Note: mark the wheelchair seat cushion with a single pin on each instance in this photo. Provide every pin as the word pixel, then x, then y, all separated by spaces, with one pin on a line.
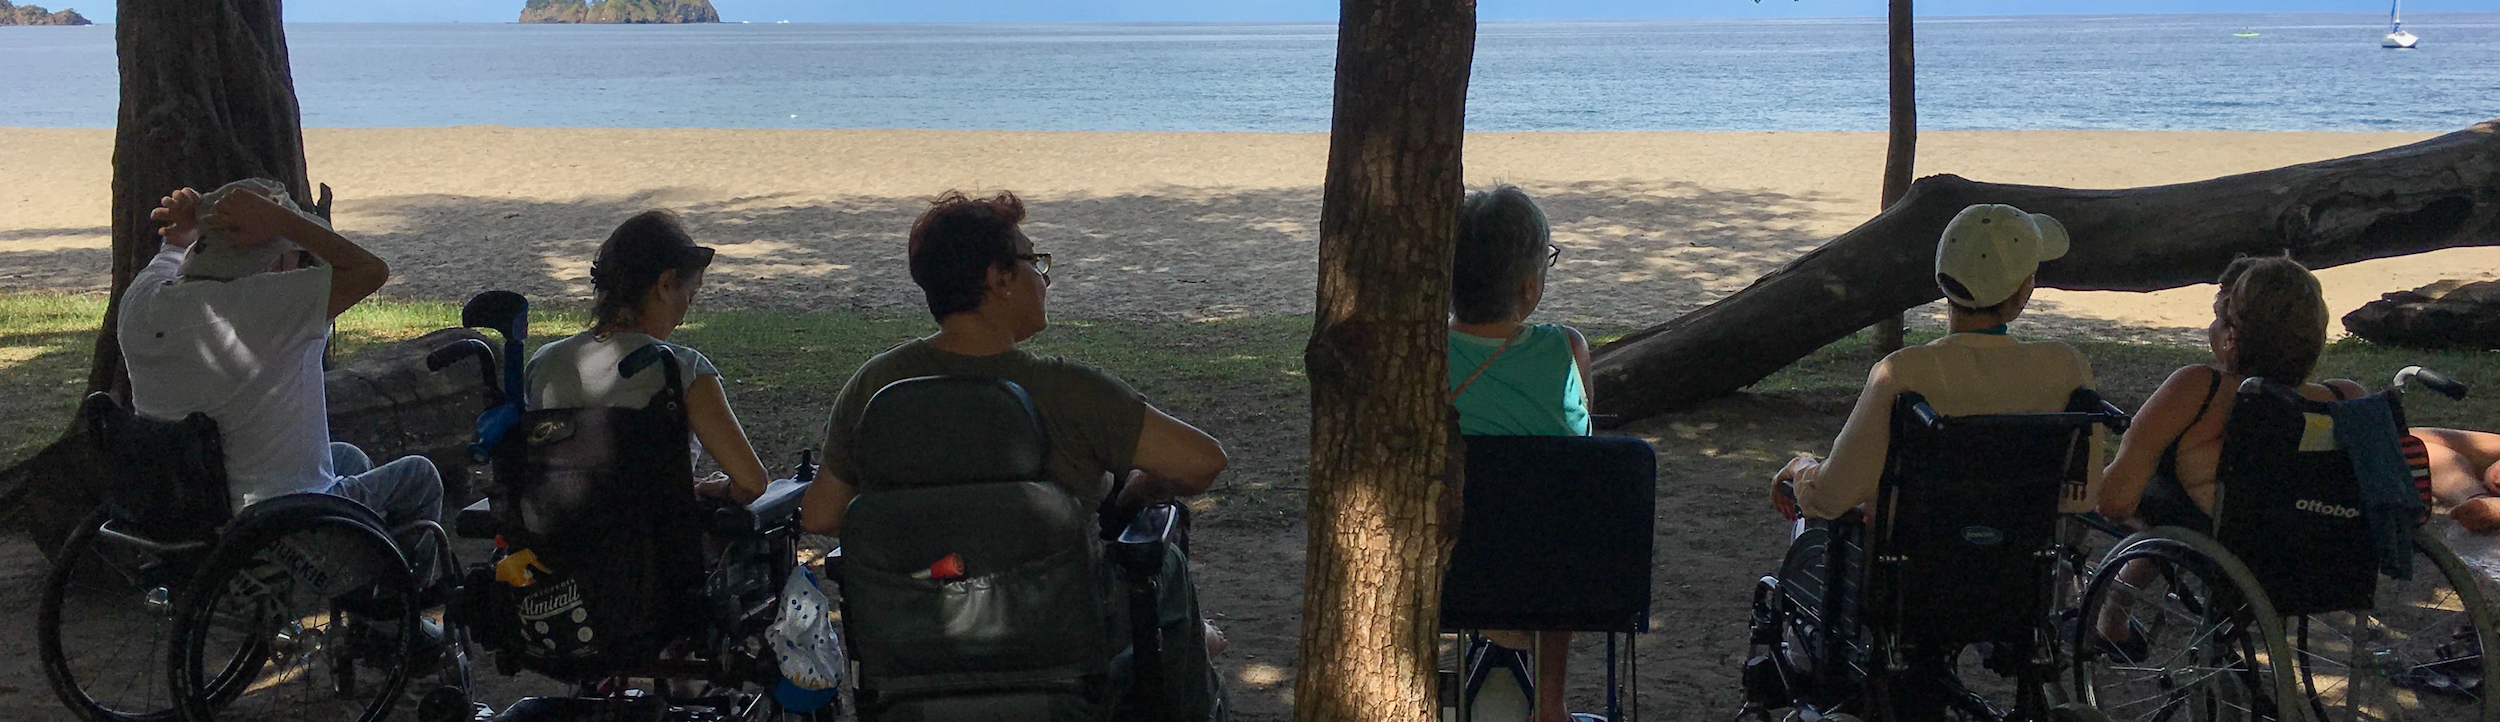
pixel 166 479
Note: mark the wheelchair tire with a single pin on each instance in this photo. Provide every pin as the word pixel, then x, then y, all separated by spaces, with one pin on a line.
pixel 2211 607
pixel 2419 653
pixel 331 606
pixel 101 587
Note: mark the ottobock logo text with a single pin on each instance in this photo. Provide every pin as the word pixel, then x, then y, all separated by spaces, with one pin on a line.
pixel 2319 507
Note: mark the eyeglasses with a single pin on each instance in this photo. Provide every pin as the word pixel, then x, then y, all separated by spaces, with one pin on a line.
pixel 1041 264
pixel 1553 254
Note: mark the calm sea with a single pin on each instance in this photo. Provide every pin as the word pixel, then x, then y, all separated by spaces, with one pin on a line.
pixel 2169 72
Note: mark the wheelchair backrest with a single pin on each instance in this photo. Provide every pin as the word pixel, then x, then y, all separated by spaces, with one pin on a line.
pixel 165 479
pixel 1966 516
pixel 2288 503
pixel 1555 534
pixel 604 497
pixel 951 468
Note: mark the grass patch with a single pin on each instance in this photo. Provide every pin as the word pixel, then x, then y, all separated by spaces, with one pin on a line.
pixel 783 369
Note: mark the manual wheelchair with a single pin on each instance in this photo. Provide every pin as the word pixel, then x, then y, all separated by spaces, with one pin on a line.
pixel 1054 610
pixel 301 607
pixel 2277 607
pixel 1939 605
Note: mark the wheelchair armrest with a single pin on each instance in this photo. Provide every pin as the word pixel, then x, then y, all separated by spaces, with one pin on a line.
pixel 779 504
pixel 775 509
pixel 476 521
pixel 1139 549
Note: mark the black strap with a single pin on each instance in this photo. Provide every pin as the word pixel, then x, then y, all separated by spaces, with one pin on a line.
pixel 2338 391
pixel 2213 384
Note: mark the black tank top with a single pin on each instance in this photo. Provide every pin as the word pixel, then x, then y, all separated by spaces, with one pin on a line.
pixel 2166 501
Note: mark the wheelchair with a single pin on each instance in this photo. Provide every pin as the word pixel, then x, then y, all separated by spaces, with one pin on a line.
pixel 586 590
pixel 1941 605
pixel 301 607
pixel 974 588
pixel 2279 609
pixel 1556 536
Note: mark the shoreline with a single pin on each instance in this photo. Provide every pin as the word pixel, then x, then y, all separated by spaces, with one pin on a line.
pixel 1150 225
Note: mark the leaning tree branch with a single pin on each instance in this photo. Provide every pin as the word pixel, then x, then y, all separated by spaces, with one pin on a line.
pixel 2439 193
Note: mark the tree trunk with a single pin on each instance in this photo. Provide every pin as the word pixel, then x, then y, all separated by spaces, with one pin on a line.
pixel 2439 193
pixel 1383 499
pixel 385 403
pixel 1901 156
pixel 207 99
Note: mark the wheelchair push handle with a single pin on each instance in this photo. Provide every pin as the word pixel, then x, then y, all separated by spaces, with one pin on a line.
pixel 2113 417
pixel 1926 415
pixel 2432 380
pixel 464 349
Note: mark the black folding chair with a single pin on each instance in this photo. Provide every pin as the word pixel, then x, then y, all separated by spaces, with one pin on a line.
pixel 1556 536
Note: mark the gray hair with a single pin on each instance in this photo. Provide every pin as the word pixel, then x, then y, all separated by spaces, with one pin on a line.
pixel 1502 237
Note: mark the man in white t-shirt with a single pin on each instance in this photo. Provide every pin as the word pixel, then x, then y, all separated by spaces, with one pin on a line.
pixel 230 319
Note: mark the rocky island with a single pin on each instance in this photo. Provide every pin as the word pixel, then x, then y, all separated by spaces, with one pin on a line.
pixel 619 11
pixel 34 15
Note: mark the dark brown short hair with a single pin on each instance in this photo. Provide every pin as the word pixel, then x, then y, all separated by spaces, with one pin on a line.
pixel 630 262
pixel 956 243
pixel 2277 314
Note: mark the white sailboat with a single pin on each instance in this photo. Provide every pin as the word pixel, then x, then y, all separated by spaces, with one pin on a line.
pixel 2397 38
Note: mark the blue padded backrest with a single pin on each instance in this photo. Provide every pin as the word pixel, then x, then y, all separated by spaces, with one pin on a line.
pixel 1555 535
pixel 943 430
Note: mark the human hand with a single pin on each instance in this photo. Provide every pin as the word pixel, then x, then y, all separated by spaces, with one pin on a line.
pixel 1784 486
pixel 2480 515
pixel 180 212
pixel 1143 489
pixel 716 486
pixel 249 218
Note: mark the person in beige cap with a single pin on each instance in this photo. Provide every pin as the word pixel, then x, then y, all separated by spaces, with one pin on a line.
pixel 230 319
pixel 1984 265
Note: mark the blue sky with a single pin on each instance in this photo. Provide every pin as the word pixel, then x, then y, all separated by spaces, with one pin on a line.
pixel 1286 10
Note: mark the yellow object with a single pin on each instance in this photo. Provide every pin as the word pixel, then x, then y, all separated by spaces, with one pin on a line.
pixel 515 570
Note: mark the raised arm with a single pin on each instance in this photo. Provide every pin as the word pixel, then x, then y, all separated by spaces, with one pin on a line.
pixel 253 219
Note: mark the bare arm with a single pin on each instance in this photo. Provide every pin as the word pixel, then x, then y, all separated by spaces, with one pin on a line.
pixel 1173 459
pixel 827 500
pixel 2162 419
pixel 1580 356
pixel 354 272
pixel 1849 476
pixel 716 425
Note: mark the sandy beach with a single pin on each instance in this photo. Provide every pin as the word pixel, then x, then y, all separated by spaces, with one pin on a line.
pixel 1144 225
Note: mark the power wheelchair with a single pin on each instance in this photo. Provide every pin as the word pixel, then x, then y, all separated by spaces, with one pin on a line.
pixel 1940 605
pixel 2278 609
pixel 300 607
pixel 975 588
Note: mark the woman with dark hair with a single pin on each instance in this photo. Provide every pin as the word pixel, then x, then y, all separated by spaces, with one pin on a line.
pixel 643 280
pixel 2269 322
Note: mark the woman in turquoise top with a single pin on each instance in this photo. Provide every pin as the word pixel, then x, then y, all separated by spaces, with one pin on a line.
pixel 1509 378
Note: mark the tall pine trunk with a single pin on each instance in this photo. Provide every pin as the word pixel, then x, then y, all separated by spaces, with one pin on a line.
pixel 1383 501
pixel 1901 154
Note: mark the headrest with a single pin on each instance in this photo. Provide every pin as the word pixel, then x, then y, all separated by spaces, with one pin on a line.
pixel 937 430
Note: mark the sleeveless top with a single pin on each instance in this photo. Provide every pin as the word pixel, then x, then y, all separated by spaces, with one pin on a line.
pixel 1531 389
pixel 2166 501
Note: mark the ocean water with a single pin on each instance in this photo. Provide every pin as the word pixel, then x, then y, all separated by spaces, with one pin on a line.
pixel 2148 72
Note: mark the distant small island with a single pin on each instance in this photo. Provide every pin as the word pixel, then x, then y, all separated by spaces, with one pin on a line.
pixel 35 15
pixel 619 11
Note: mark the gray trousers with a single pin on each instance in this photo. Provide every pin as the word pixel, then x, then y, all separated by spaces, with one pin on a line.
pixel 407 490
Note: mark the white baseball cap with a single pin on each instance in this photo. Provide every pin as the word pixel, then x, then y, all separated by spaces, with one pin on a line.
pixel 1990 249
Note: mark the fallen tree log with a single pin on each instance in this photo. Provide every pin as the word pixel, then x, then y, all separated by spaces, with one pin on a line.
pixel 385 403
pixel 2439 193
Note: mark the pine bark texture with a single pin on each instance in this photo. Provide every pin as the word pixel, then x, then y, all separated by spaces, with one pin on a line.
pixel 1901 155
pixel 2439 193
pixel 1383 494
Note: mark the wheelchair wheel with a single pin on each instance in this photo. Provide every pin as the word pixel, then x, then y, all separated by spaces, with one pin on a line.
pixel 2202 643
pixel 104 623
pixel 2416 654
pixel 324 606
